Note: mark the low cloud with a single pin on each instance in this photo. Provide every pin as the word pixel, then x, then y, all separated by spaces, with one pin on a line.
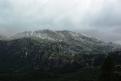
pixel 100 18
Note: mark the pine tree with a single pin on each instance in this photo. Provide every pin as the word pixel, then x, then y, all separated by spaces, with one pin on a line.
pixel 107 70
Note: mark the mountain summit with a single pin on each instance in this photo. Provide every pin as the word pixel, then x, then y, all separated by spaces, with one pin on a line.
pixel 53 35
pixel 68 37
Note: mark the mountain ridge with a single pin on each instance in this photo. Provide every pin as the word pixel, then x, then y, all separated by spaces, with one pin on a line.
pixel 46 32
pixel 70 37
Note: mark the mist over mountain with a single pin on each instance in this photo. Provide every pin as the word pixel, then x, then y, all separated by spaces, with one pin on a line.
pixel 100 17
pixel 45 54
pixel 60 40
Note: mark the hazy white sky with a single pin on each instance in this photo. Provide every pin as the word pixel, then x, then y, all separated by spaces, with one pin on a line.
pixel 100 18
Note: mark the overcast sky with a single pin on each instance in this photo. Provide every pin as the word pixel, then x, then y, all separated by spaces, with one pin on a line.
pixel 98 18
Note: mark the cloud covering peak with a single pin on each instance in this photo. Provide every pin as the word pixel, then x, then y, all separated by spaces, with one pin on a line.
pixel 90 15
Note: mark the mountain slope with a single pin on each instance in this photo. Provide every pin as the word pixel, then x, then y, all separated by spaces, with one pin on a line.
pixel 48 49
pixel 3 37
pixel 52 52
